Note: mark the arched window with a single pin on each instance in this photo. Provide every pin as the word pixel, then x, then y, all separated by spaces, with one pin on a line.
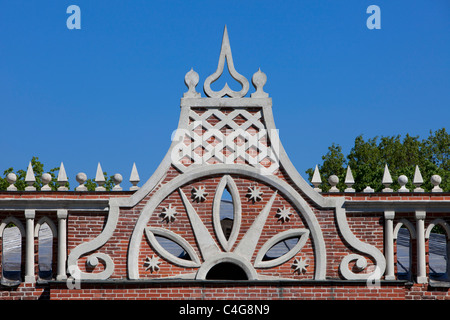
pixel 11 232
pixel 403 234
pixel 404 254
pixel 437 234
pixel 45 231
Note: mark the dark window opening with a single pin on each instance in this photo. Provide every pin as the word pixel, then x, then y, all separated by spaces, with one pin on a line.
pixel 437 246
pixel 226 213
pixel 404 254
pixel 45 252
pixel 280 249
pixel 226 271
pixel 173 248
pixel 12 253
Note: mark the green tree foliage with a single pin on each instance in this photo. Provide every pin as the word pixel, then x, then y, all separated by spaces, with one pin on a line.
pixel 368 158
pixel 38 169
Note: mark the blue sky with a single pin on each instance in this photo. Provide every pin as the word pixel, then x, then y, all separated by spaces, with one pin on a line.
pixel 110 92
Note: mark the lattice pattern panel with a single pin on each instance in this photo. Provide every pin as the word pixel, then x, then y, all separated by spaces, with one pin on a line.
pixel 226 136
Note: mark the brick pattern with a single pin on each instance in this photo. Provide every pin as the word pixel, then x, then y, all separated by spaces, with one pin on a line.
pixel 86 226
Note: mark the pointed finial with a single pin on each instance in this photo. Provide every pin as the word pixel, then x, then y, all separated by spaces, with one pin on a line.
pixel 349 181
pixel 418 180
pixel 225 54
pixel 387 179
pixel 134 178
pixel 62 178
pixel 30 178
pixel 100 179
pixel 316 180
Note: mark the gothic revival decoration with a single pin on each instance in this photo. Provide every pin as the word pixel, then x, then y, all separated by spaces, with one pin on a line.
pixel 232 139
pixel 227 138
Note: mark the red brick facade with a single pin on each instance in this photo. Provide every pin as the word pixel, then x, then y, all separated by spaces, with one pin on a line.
pixel 83 227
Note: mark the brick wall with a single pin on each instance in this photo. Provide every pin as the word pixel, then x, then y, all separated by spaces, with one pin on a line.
pixel 85 226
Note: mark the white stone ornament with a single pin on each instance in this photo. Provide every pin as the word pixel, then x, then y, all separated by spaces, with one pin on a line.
pixel 254 194
pixel 100 179
pixel 81 179
pixel 225 54
pixel 134 178
pixel 152 264
pixel 199 194
pixel 168 213
pixel 418 180
pixel 316 180
pixel 62 178
pixel 30 178
pixel 259 79
pixel 436 181
pixel 349 180
pixel 46 178
pixel 117 178
pixel 333 180
pixel 300 265
pixel 191 80
pixel 387 180
pixel 402 181
pixel 284 214
pixel 11 178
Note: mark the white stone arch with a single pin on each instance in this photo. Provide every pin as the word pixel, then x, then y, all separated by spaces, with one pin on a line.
pixel 446 227
pixel 45 260
pixel 16 222
pixel 412 235
pixel 5 279
pixel 227 257
pixel 408 225
pixel 282 186
pixel 49 222
pixel 440 222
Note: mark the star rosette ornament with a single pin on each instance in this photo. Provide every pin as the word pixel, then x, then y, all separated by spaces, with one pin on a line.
pixel 254 194
pixel 284 214
pixel 169 213
pixel 199 194
pixel 152 264
pixel 300 265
